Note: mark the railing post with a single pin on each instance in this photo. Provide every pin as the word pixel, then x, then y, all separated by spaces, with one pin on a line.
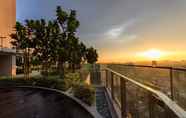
pixel 112 85
pixel 123 98
pixel 106 78
pixel 171 83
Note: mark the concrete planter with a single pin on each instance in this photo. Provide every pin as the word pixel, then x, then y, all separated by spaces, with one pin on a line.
pixel 88 112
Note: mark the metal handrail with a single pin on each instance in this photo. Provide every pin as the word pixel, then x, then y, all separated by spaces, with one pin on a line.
pixel 171 71
pixel 160 67
pixel 165 99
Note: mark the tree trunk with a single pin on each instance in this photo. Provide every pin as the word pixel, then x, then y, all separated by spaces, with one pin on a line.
pixel 70 65
pixel 45 69
pixel 61 68
pixel 26 64
pixel 73 68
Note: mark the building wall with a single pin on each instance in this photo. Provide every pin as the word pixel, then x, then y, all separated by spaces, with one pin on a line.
pixel 7 65
pixel 7 24
pixel 7 20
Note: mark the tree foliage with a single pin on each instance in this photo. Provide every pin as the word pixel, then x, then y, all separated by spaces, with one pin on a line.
pixel 91 55
pixel 53 42
pixel 22 41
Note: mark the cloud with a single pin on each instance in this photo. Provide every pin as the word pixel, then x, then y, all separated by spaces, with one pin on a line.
pixel 114 33
pixel 117 31
pixel 126 38
pixel 131 36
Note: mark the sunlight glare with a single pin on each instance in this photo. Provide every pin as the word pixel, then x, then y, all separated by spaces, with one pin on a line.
pixel 153 54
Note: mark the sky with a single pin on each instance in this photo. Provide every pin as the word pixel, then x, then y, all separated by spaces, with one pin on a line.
pixel 121 29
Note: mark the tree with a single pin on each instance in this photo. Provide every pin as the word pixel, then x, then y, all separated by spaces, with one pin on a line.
pixel 54 41
pixel 74 50
pixel 91 55
pixel 21 40
pixel 38 40
pixel 74 55
pixel 67 42
pixel 35 61
pixel 45 39
pixel 78 54
pixel 62 17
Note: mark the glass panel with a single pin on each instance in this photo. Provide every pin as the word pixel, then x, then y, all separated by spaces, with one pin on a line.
pixel 103 77
pixel 179 85
pixel 154 77
pixel 159 112
pixel 117 92
pixel 137 102
pixel 109 80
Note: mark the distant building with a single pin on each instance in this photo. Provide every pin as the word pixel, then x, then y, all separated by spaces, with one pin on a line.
pixel 7 22
pixel 154 63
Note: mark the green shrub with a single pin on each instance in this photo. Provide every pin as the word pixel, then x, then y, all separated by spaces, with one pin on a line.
pixel 53 72
pixel 86 67
pixel 62 85
pixel 14 82
pixel 49 83
pixel 85 93
pixel 73 79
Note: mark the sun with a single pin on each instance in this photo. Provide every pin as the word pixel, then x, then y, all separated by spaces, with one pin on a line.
pixel 152 54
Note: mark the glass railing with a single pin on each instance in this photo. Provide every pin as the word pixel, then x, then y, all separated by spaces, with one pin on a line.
pixel 141 98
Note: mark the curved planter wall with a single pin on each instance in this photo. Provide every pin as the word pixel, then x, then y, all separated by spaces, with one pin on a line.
pixel 29 102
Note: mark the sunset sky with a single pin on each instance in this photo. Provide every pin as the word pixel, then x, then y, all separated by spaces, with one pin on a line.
pixel 122 30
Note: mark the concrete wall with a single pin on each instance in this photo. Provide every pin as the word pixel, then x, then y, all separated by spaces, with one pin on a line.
pixel 7 20
pixel 7 23
pixel 7 65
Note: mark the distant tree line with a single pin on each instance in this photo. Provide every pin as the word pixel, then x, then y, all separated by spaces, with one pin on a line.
pixel 50 42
